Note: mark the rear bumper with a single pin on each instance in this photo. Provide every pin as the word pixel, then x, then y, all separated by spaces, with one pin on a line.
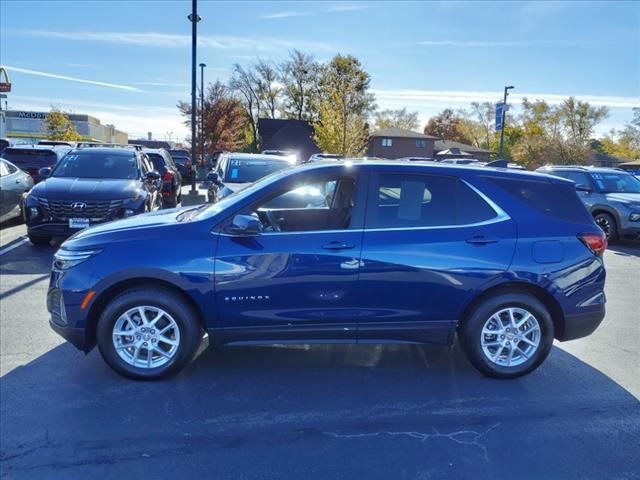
pixel 581 324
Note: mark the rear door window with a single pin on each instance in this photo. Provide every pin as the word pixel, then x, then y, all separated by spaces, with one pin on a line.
pixel 404 200
pixel 28 157
pixel 558 200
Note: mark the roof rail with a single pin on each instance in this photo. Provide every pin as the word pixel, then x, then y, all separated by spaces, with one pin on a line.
pixel 577 167
pixel 109 145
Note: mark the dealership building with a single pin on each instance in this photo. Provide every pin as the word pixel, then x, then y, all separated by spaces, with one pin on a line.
pixel 29 126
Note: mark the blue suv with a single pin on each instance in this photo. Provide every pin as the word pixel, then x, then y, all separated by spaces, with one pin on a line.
pixel 384 252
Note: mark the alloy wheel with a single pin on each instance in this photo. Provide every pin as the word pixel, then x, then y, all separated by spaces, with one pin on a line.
pixel 510 337
pixel 146 337
pixel 603 222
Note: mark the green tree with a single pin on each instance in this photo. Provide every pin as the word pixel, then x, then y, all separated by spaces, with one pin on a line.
pixel 59 127
pixel 624 143
pixel 344 106
pixel 400 118
pixel 447 125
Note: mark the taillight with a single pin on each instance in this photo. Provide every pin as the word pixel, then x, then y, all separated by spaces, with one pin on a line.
pixel 596 242
pixel 168 176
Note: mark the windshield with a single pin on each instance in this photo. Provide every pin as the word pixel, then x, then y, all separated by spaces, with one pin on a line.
pixel 116 165
pixel 617 182
pixel 43 158
pixel 246 170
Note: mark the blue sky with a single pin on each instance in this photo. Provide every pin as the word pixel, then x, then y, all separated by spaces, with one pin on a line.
pixel 128 63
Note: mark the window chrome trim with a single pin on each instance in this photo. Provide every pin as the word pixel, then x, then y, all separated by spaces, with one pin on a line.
pixel 501 216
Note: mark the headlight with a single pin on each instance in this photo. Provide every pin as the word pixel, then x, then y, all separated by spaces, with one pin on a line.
pixel 65 259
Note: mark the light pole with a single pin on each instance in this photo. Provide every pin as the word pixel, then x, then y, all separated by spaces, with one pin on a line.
pixel 202 65
pixel 194 18
pixel 504 116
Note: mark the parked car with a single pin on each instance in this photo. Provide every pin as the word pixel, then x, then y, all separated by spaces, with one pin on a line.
pixel 182 159
pixel 90 186
pixel 236 171
pixel 171 176
pixel 391 252
pixel 611 195
pixel 462 161
pixel 291 155
pixel 56 143
pixel 4 143
pixel 14 183
pixel 417 159
pixel 31 158
pixel 319 157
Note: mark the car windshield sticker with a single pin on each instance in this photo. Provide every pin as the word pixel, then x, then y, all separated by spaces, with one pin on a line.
pixel 234 173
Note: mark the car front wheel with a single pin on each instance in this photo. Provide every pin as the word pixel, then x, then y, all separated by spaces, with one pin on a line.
pixel 148 334
pixel 608 225
pixel 508 336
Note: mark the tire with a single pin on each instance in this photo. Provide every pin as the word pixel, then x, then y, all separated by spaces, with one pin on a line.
pixel 39 241
pixel 185 334
pixel 608 225
pixel 170 203
pixel 480 347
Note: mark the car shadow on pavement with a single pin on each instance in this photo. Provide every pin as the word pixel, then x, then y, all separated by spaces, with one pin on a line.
pixel 369 411
pixel 625 248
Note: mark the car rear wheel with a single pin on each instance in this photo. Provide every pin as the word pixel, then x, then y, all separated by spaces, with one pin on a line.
pixel 39 241
pixel 608 225
pixel 148 334
pixel 508 336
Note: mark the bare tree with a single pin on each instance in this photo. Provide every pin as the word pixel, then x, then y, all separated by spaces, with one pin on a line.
pixel 268 87
pixel 245 84
pixel 299 77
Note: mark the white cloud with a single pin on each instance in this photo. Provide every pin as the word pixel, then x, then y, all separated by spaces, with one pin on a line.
pixel 489 44
pixel 72 79
pixel 287 14
pixel 346 8
pixel 445 97
pixel 167 40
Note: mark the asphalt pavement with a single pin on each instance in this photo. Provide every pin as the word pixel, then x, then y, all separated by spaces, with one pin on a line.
pixel 388 412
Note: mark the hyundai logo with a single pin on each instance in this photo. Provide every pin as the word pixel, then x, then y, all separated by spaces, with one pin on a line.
pixel 78 205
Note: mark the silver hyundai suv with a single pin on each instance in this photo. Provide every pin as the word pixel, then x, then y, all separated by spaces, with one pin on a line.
pixel 611 195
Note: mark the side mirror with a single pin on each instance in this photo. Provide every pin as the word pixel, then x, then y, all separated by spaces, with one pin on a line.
pixel 244 225
pixel 152 176
pixel 213 178
pixel 583 188
pixel 44 172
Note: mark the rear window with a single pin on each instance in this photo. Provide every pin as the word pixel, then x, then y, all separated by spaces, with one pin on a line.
pixel 35 157
pixel 558 200
pixel 158 161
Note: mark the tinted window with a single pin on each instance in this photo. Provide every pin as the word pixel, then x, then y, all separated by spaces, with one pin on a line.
pixel 97 165
pixel 247 170
pixel 43 158
pixel 158 161
pixel 556 199
pixel 580 178
pixel 424 201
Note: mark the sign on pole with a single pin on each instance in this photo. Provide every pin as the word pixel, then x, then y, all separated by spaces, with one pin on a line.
pixel 499 115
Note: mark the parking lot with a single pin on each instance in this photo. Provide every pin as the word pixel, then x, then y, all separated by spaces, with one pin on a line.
pixel 315 411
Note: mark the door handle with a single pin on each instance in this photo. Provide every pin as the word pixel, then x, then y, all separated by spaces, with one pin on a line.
pixel 337 246
pixel 482 240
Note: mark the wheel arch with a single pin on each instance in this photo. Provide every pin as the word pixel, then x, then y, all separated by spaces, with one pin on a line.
pixel 101 301
pixel 596 209
pixel 552 305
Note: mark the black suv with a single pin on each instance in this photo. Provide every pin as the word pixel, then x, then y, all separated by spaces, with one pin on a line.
pixel 182 159
pixel 91 185
pixel 171 176
pixel 31 158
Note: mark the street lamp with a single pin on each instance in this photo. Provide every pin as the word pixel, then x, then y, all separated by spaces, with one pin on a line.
pixel 202 65
pixel 504 116
pixel 194 18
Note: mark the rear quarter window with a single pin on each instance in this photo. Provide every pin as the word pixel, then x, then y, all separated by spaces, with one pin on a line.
pixel 558 200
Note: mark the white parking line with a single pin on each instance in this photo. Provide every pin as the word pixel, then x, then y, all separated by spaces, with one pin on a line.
pixel 15 245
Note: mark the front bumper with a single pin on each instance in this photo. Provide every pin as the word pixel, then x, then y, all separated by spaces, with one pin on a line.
pixel 581 324
pixel 75 336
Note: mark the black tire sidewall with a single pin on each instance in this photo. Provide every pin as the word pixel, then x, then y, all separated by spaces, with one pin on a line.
pixel 613 226
pixel 470 334
pixel 182 313
pixel 39 241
